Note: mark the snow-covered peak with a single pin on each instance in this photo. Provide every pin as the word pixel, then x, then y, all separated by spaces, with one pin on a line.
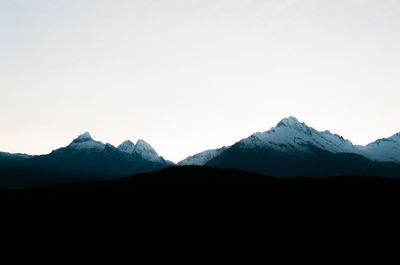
pixel 142 144
pixel 142 149
pixel 84 137
pixel 202 158
pixel 127 147
pixel 85 142
pixel 290 122
pixel 291 135
pixel 294 124
pixel 146 151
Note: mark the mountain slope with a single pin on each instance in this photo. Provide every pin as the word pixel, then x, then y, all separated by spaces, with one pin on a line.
pixel 313 163
pixel 386 149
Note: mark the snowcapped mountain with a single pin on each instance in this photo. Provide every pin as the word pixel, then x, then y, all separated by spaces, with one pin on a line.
pixel 86 142
pixel 141 149
pixel 291 148
pixel 84 159
pixel 294 149
pixel 292 136
pixel 201 158
pixel 386 149
pixel 127 147
pixel 139 152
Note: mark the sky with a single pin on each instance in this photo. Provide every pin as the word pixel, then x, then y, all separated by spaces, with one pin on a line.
pixel 190 75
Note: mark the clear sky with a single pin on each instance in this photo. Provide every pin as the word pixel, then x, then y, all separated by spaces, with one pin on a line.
pixel 189 75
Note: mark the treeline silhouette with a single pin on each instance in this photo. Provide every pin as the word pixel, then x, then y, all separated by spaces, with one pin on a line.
pixel 338 207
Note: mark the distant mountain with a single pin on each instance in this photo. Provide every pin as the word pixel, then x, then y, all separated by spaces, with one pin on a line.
pixel 83 160
pixel 294 149
pixel 143 150
pixel 291 148
pixel 292 136
pixel 202 158
pixel 386 149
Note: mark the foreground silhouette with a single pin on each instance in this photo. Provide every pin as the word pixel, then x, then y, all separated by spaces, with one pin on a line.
pixel 341 207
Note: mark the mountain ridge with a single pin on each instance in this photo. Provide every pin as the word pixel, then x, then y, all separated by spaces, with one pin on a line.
pixel 291 148
pixel 291 135
pixel 84 159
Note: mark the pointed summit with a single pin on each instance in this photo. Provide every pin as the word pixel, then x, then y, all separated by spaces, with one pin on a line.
pixel 143 146
pixel 83 138
pixel 294 124
pixel 141 149
pixel 85 141
pixel 290 122
pixel 127 147
pixel 293 136
pixel 146 151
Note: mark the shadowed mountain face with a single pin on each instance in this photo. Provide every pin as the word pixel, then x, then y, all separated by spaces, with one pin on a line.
pixel 83 160
pixel 315 163
pixel 7 160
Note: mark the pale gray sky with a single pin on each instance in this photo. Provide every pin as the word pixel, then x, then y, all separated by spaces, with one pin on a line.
pixel 189 75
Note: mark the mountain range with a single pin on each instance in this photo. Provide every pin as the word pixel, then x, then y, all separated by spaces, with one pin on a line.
pixel 294 149
pixel 291 136
pixel 291 148
pixel 83 160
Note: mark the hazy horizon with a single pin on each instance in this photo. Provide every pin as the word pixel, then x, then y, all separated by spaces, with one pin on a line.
pixel 187 76
pixel 116 144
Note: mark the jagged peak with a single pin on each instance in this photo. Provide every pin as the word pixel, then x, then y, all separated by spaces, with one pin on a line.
pixel 85 141
pixel 393 138
pixel 127 147
pixel 84 137
pixel 126 143
pixel 291 122
pixel 290 119
pixel 292 135
pixel 396 136
pixel 141 148
pixel 146 151
pixel 143 145
pixel 294 124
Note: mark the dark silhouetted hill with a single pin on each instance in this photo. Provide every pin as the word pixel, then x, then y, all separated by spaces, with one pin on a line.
pixel 339 207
